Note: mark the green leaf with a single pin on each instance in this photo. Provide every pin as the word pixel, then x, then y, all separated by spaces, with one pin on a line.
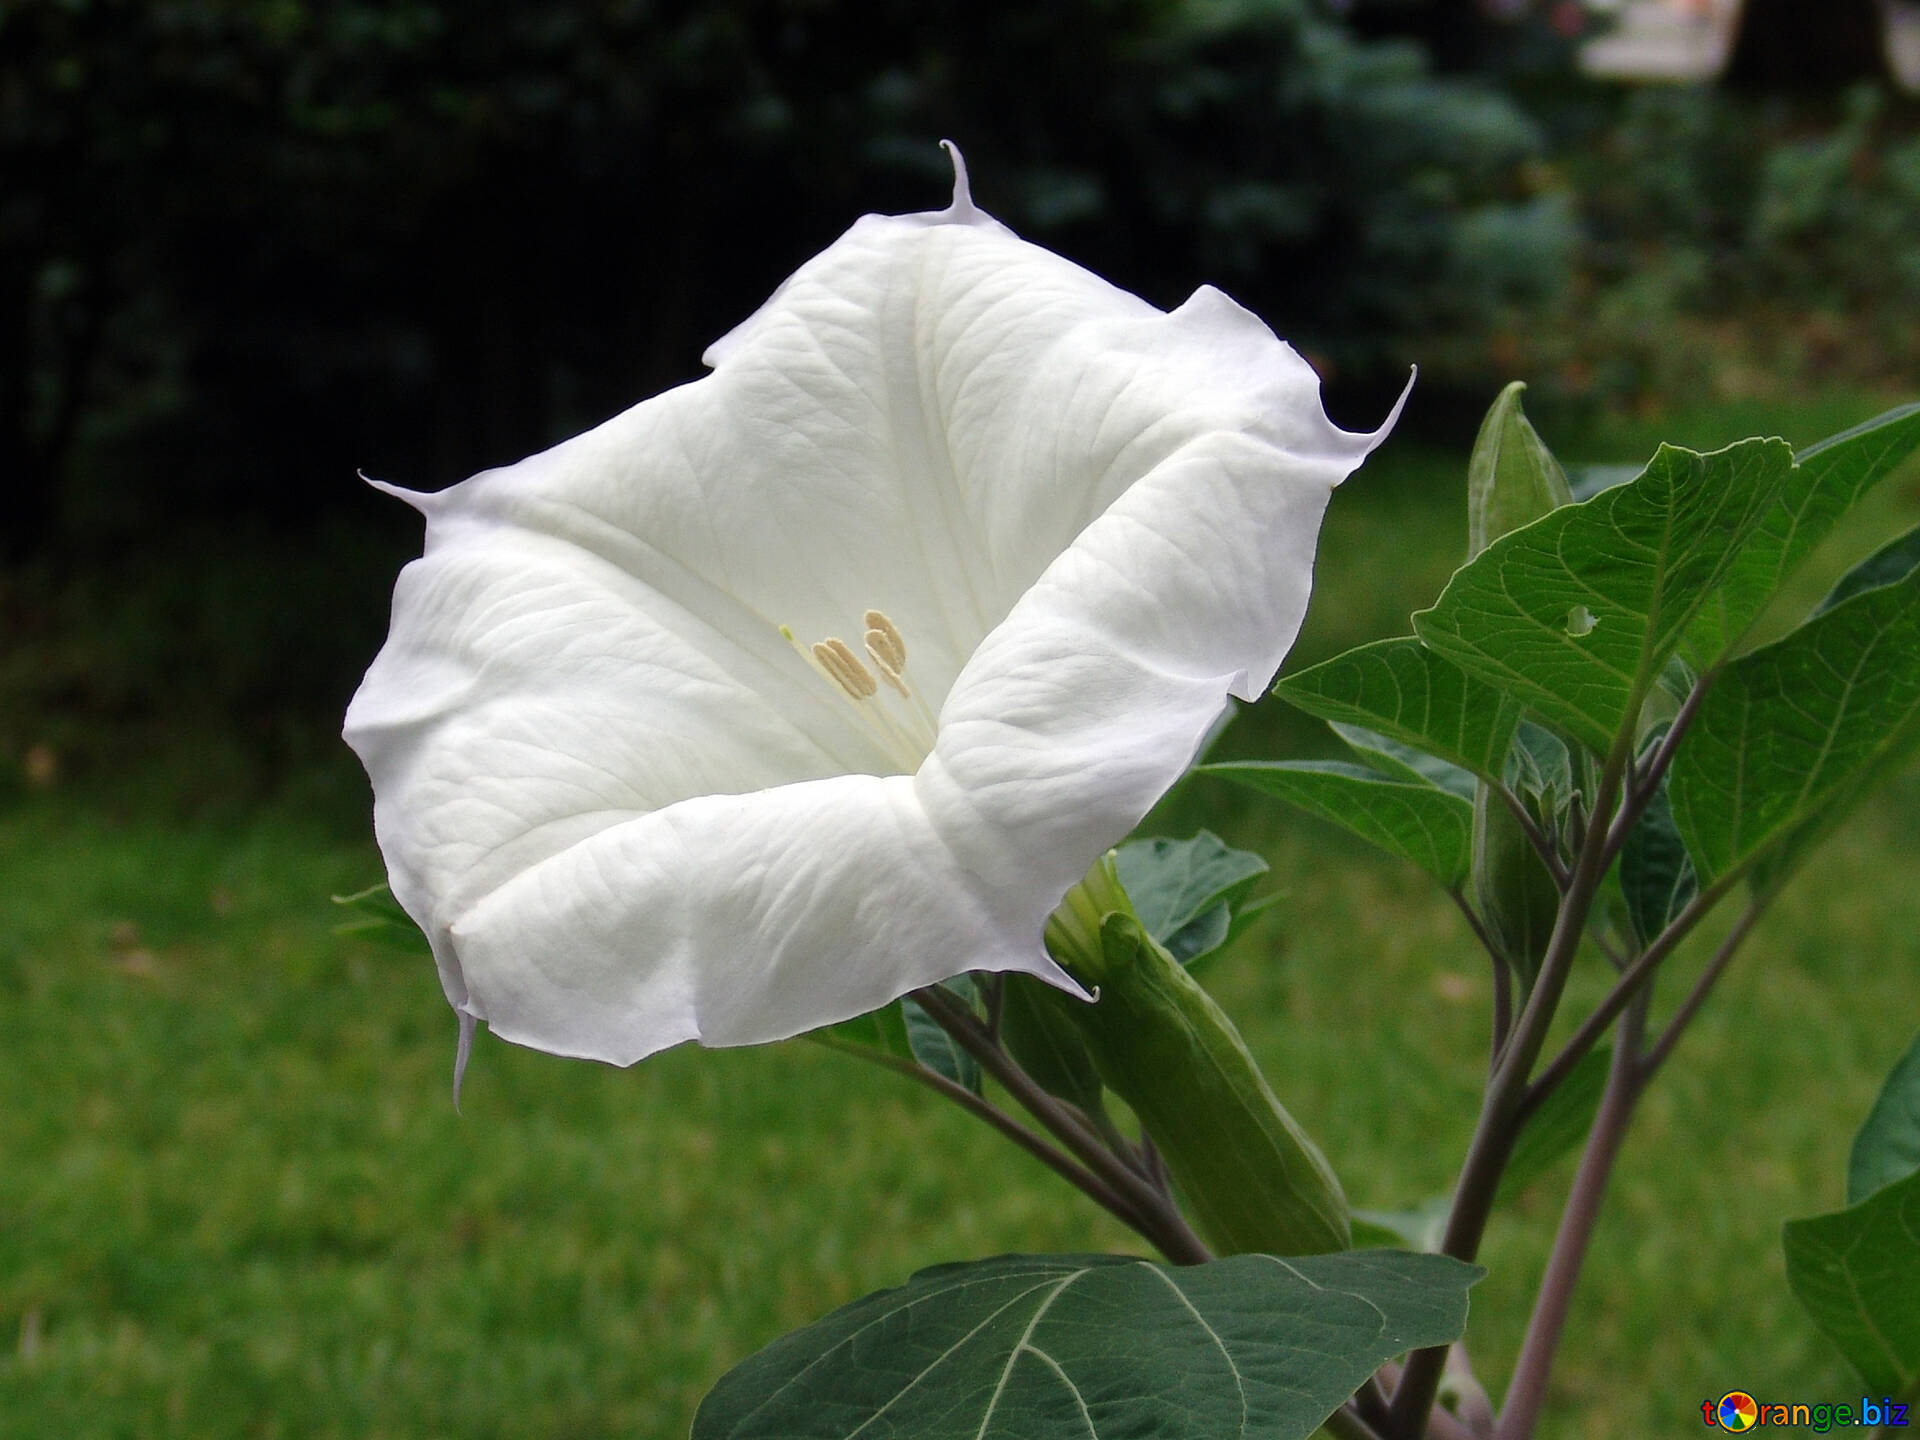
pixel 1559 1125
pixel 1888 565
pixel 1246 915
pixel 1399 761
pixel 1540 767
pixel 1422 1228
pixel 1513 891
pixel 883 1031
pixel 1512 481
pixel 374 914
pixel 1416 821
pixel 1095 1346
pixel 936 1050
pixel 1656 874
pixel 1215 930
pixel 1792 735
pixel 1512 478
pixel 1887 1149
pixel 1575 614
pixel 1202 935
pixel 1045 1042
pixel 1857 1271
pixel 1400 688
pixel 1828 480
pixel 1670 690
pixel 1195 946
pixel 1587 481
pixel 1176 884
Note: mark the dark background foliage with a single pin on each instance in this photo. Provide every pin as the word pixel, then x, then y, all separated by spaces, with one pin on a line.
pixel 248 247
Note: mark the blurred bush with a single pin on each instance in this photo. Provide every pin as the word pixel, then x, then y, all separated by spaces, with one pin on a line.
pixel 248 246
pixel 1739 248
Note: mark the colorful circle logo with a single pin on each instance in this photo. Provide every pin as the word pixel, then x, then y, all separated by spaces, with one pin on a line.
pixel 1737 1411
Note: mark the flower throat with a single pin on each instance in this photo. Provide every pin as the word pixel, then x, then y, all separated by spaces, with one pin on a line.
pixel 898 722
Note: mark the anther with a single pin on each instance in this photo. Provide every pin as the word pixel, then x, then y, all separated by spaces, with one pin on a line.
pixel 888 674
pixel 884 642
pixel 845 668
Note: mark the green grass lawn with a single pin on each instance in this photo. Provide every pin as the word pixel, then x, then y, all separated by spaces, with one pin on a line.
pixel 236 1201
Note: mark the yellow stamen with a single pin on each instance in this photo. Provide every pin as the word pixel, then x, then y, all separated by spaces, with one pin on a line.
pixel 906 735
pixel 844 666
pixel 879 652
pixel 884 641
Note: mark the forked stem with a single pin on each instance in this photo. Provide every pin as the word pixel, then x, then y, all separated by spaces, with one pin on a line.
pixel 1499 1123
pixel 1062 1164
pixel 1156 1217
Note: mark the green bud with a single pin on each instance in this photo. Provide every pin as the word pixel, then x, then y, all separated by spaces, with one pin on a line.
pixel 1251 1178
pixel 1512 890
pixel 1512 480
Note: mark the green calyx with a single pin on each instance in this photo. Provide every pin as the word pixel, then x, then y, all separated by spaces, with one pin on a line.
pixel 1073 930
pixel 1251 1178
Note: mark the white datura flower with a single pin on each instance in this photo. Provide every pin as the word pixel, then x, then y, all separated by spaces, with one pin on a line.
pixel 824 677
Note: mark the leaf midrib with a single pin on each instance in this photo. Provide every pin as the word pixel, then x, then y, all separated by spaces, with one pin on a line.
pixel 886 1314
pixel 1020 1348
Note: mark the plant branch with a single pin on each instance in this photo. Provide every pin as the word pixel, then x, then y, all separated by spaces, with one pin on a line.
pixel 1644 784
pixel 1035 1145
pixel 1502 978
pixel 1441 1425
pixel 1346 1424
pixel 1502 1011
pixel 1542 842
pixel 1528 1391
pixel 1473 922
pixel 994 988
pixel 1155 1167
pixel 1627 1078
pixel 1371 1399
pixel 1499 1122
pixel 1657 1053
pixel 1606 948
pixel 1656 770
pixel 1472 1407
pixel 1159 1220
pixel 1608 1010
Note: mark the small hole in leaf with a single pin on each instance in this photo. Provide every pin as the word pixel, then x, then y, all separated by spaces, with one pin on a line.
pixel 1580 620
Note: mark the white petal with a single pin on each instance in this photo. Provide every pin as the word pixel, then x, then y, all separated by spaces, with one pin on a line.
pixel 628 813
pixel 732 919
pixel 1093 696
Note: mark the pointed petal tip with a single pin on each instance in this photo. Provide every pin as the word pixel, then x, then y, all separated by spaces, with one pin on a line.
pixel 1363 445
pixel 962 207
pixel 421 500
pixel 462 1054
pixel 1393 415
pixel 1058 976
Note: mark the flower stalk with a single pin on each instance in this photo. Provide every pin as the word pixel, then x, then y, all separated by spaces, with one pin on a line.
pixel 1148 1208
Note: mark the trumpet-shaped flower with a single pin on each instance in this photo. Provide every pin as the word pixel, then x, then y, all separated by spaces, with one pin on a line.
pixel 824 677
